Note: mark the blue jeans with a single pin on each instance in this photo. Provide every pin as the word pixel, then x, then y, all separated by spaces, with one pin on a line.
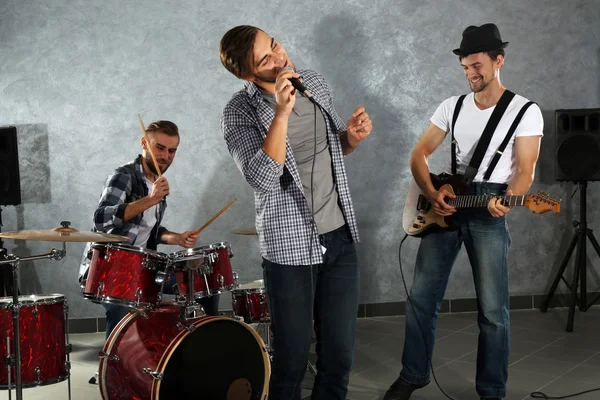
pixel 486 240
pixel 334 309
pixel 115 313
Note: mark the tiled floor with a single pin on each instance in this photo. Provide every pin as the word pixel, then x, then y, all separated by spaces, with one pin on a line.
pixel 544 357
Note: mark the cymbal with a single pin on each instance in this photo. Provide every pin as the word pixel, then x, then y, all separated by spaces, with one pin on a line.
pixel 247 231
pixel 64 234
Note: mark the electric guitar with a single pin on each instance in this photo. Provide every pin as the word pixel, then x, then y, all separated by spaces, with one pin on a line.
pixel 419 218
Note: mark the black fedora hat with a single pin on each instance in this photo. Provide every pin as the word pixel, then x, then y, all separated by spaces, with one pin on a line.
pixel 479 39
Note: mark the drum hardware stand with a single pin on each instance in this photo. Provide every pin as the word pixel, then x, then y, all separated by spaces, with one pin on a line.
pixel 16 307
pixel 191 309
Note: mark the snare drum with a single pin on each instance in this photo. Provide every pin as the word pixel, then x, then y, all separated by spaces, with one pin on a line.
pixel 157 355
pixel 124 275
pixel 211 266
pixel 249 301
pixel 43 340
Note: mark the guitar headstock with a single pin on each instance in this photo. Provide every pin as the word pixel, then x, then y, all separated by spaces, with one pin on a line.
pixel 542 202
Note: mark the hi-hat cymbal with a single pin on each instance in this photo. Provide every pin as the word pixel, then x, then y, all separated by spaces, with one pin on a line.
pixel 64 234
pixel 247 231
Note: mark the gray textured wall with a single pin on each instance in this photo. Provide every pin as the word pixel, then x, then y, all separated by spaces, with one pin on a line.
pixel 74 74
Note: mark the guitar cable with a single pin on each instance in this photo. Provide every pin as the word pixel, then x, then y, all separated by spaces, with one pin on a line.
pixel 535 395
pixel 409 304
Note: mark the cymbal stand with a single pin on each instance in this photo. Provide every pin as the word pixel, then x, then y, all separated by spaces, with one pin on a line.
pixel 68 347
pixel 16 307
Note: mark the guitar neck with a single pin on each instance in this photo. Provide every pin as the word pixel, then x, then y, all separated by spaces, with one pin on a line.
pixel 478 201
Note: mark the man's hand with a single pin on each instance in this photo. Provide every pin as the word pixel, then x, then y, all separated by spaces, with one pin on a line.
pixel 358 127
pixel 285 94
pixel 160 189
pixel 187 239
pixel 440 207
pixel 496 208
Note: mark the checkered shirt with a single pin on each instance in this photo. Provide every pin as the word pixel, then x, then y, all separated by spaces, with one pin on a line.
pixel 283 219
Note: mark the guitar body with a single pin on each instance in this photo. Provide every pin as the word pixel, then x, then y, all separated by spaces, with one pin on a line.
pixel 418 218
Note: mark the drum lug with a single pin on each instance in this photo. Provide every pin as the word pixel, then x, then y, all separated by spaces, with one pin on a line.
pixel 35 312
pixel 107 254
pixel 235 278
pixel 138 296
pixel 102 354
pixel 156 375
pixel 145 262
pixel 82 285
pixel 100 288
pixel 220 279
pixel 238 318
pixel 211 258
pixel 8 360
pixel 38 375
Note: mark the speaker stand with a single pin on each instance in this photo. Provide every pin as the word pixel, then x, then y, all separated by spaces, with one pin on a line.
pixel 6 285
pixel 579 274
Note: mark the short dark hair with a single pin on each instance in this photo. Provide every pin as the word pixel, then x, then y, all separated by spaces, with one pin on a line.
pixel 493 54
pixel 166 127
pixel 236 49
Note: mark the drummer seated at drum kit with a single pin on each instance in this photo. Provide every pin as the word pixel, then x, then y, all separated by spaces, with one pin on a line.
pixel 133 204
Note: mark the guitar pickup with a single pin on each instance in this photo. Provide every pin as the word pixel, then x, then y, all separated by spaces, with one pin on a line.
pixel 422 202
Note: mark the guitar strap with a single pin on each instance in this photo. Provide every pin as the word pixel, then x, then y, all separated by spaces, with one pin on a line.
pixel 502 146
pixel 454 118
pixel 486 137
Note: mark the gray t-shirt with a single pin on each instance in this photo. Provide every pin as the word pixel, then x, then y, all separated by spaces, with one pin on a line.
pixel 301 136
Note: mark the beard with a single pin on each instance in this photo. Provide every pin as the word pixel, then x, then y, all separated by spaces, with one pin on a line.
pixel 152 168
pixel 479 86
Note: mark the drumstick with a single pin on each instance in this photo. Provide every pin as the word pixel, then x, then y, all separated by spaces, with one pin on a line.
pixel 215 217
pixel 149 145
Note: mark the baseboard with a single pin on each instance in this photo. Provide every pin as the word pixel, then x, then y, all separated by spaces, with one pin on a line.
pixel 450 306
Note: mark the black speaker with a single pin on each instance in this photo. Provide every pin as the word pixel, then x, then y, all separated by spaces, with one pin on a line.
pixel 10 181
pixel 578 145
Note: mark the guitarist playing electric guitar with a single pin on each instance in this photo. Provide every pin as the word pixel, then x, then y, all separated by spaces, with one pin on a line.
pixel 500 132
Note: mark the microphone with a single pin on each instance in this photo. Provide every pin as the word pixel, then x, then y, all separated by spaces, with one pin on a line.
pixel 299 86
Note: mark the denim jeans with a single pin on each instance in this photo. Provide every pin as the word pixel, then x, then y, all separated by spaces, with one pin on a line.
pixel 115 313
pixel 334 308
pixel 486 240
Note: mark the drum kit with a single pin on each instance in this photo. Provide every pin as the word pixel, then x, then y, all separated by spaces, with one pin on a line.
pixel 163 348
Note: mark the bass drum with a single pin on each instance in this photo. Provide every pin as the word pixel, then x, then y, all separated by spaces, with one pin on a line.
pixel 158 355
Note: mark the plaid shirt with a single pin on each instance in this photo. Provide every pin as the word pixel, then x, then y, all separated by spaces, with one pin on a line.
pixel 124 186
pixel 283 219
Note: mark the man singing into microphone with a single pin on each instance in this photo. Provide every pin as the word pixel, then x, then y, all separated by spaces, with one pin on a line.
pixel 291 152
